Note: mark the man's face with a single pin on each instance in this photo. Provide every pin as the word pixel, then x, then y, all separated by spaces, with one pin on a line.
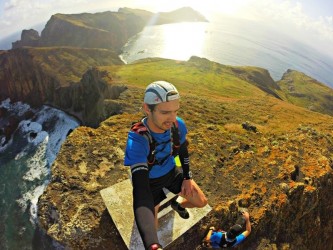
pixel 163 116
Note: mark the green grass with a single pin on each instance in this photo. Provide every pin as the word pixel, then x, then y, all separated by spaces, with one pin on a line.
pixel 304 91
pixel 186 76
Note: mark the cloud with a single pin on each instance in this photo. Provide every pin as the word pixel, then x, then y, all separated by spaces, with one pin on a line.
pixel 21 14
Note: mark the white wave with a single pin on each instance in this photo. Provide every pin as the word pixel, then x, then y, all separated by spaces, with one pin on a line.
pixel 37 165
pixel 62 124
pixel 31 133
pixel 5 146
pixel 18 108
pixel 33 202
pixel 20 155
pixel 43 135
pixel 31 197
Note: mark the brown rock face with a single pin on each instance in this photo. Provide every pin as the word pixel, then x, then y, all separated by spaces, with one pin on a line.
pixel 53 76
pixel 108 30
pixel 28 38
pixel 87 97
pixel 21 79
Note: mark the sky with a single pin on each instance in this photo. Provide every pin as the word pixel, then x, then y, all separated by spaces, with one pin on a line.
pixel 308 20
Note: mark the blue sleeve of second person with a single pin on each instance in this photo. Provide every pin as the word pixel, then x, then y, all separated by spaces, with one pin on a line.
pixel 215 239
pixel 239 239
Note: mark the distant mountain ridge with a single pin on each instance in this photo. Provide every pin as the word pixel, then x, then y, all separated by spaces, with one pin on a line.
pixel 109 30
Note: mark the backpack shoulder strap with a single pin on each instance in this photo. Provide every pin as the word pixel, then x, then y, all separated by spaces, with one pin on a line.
pixel 175 138
pixel 141 129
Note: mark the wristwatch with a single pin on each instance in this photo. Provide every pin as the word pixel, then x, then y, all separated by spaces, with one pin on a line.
pixel 188 176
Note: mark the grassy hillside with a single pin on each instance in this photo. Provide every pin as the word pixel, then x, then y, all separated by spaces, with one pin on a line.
pixel 204 80
pixel 194 76
pixel 305 91
pixel 215 79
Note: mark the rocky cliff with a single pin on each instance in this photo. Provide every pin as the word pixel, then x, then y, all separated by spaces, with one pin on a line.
pixel 109 30
pixel 28 38
pixel 101 30
pixel 53 76
pixel 47 69
pixel 282 170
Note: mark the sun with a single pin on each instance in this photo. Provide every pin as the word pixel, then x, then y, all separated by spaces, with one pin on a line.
pixel 183 40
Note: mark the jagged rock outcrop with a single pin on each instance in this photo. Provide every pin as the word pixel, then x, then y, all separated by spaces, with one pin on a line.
pixel 87 98
pixel 28 38
pixel 260 78
pixel 53 76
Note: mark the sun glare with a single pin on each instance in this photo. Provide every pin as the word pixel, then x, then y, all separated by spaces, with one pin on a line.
pixel 183 40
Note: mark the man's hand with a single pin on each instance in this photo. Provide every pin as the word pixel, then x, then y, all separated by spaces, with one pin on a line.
pixel 246 215
pixel 187 188
pixel 155 247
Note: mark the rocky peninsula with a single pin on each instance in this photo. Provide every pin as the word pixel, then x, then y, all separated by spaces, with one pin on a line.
pixel 254 142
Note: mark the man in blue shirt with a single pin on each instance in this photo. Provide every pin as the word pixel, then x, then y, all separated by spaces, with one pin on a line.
pixel 149 177
pixel 220 239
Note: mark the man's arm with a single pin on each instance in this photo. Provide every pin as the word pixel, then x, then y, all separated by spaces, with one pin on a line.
pixel 209 234
pixel 240 238
pixel 247 224
pixel 187 187
pixel 143 206
pixel 184 158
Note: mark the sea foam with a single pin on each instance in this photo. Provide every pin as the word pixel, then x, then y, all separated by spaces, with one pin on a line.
pixel 39 139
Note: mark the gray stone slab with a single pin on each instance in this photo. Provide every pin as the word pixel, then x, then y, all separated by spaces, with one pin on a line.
pixel 119 202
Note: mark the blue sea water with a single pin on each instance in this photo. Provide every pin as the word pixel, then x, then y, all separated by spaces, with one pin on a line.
pixel 25 161
pixel 231 41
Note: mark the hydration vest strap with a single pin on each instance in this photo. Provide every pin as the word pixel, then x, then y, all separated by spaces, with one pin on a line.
pixel 140 128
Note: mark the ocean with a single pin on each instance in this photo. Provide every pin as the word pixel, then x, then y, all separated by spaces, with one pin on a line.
pixel 234 42
pixel 26 158
pixel 25 161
